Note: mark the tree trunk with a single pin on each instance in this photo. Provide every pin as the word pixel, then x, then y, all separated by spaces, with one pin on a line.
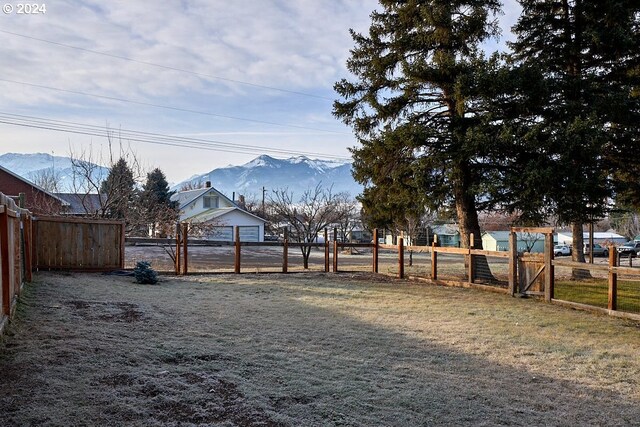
pixel 306 251
pixel 468 223
pixel 577 253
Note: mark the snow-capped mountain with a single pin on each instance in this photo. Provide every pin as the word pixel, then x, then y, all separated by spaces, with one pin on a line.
pixel 31 166
pixel 298 174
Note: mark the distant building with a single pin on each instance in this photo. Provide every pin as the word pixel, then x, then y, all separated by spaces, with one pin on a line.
pixel 219 215
pixel 38 200
pixel 602 238
pixel 448 235
pixel 525 242
pixel 88 205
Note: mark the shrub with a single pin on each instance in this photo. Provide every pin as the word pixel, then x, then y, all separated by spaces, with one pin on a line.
pixel 145 274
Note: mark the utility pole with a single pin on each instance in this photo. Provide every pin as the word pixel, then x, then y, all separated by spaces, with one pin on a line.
pixel 264 190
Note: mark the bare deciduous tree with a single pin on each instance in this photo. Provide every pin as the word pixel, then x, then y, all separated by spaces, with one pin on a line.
pixel 306 216
pixel 89 176
pixel 47 179
pixel 347 215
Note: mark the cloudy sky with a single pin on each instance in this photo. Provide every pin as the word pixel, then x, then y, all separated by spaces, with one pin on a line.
pixel 235 78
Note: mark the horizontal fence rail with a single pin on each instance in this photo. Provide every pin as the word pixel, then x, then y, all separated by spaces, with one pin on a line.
pixel 611 288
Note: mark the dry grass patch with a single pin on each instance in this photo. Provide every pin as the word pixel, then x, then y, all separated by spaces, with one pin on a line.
pixel 309 349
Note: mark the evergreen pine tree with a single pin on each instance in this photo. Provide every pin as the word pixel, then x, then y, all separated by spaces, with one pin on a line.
pixel 156 201
pixel 581 121
pixel 119 191
pixel 415 107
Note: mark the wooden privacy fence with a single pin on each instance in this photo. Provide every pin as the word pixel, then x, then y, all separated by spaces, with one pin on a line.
pixel 15 251
pixel 79 244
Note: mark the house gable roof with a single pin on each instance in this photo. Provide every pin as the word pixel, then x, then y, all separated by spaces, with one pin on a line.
pixel 446 230
pixel 219 213
pixel 82 204
pixel 37 187
pixel 504 235
pixel 185 198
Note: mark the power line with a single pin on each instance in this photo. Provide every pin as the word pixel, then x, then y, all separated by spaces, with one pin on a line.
pixel 152 138
pixel 210 76
pixel 167 107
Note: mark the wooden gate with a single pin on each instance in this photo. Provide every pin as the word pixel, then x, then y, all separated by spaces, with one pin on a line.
pixel 531 273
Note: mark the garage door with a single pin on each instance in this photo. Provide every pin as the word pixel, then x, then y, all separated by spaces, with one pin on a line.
pixel 224 234
pixel 250 233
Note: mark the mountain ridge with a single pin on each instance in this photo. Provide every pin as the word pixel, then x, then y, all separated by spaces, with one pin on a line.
pixel 297 174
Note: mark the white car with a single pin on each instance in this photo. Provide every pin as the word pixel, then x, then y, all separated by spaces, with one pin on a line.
pixel 561 250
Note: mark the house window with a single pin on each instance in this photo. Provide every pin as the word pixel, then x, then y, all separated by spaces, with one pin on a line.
pixel 210 202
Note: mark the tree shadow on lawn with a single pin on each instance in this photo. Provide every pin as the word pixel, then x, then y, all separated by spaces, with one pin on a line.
pixel 255 352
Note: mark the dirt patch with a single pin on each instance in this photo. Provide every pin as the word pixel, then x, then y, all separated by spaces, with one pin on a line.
pixel 107 311
pixel 308 349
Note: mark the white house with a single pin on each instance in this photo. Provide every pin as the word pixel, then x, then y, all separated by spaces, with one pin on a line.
pixel 603 238
pixel 208 205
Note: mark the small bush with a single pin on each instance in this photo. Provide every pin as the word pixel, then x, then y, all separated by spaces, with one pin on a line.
pixel 145 274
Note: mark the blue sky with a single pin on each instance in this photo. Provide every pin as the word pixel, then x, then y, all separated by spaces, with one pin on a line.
pixel 255 73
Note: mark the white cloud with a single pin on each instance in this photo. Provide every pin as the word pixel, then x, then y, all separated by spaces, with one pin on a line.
pixel 298 45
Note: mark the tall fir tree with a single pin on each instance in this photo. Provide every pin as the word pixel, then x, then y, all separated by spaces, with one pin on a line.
pixel 119 191
pixel 158 209
pixel 579 120
pixel 415 109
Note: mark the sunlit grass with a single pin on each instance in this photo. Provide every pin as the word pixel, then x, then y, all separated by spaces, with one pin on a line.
pixel 596 292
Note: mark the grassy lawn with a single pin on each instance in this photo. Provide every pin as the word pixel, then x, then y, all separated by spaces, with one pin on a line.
pixel 308 350
pixel 596 292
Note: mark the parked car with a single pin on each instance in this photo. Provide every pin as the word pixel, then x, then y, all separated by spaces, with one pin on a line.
pixel 560 250
pixel 598 250
pixel 629 248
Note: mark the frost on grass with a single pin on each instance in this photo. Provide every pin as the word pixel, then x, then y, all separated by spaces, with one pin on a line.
pixel 308 349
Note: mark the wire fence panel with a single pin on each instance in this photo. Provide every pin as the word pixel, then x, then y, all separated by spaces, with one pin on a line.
pixel 261 259
pixel 492 271
pixel 452 267
pixel 582 285
pixel 417 264
pixel 628 295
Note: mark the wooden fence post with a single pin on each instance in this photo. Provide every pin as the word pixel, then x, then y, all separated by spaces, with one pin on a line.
pixel 285 251
pixel 549 275
pixel 335 249
pixel 237 244
pixel 613 279
pixel 471 271
pixel 4 254
pixel 513 263
pixel 185 242
pixel 178 248
pixel 326 250
pixel 28 233
pixel 375 250
pixel 434 258
pixel 400 258
pixel 122 240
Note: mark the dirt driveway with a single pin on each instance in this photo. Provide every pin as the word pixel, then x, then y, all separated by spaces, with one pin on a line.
pixel 308 350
